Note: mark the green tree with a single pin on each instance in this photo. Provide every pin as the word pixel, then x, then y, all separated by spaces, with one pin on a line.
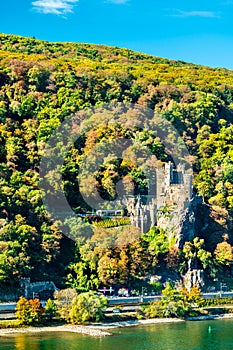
pixel 63 301
pixel 87 307
pixel 223 253
pixel 173 304
pixel 50 310
pixel 195 252
pixel 83 276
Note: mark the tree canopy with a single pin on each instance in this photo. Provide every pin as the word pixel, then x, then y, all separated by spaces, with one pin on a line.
pixel 41 85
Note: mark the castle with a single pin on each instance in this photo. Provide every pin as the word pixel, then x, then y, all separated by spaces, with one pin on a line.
pixel 39 289
pixel 169 204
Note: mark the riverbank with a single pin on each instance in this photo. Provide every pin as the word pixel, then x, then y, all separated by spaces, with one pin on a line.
pixel 101 329
pixel 94 330
pixel 87 330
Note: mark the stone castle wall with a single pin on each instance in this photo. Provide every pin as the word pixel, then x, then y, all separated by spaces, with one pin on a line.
pixel 172 207
pixel 35 288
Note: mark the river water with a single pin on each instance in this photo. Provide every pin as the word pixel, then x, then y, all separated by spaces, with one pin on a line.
pixel 195 335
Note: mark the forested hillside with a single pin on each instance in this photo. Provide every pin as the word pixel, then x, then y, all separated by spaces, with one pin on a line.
pixel 41 84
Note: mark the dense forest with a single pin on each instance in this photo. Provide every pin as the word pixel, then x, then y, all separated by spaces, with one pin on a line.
pixel 42 84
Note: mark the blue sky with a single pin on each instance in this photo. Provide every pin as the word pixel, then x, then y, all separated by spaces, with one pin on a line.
pixel 192 30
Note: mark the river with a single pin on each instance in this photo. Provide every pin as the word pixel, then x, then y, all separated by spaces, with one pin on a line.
pixel 195 335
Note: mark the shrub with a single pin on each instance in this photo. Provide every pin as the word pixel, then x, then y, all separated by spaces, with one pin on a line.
pixel 4 324
pixel 63 301
pixel 29 312
pixel 193 296
pixel 87 307
pixel 140 315
pixel 174 303
pixel 218 301
pixel 153 310
pixel 50 310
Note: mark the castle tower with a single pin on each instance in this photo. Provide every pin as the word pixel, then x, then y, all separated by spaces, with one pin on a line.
pixel 168 175
pixel 181 168
pixel 137 213
pixel 160 187
pixel 153 211
pixel 140 218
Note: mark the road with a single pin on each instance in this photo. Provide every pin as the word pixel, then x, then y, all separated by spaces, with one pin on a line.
pixel 132 300
pixel 128 300
pixel 135 300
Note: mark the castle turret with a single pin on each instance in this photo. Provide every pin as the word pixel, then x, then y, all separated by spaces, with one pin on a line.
pixel 153 212
pixel 160 187
pixel 168 175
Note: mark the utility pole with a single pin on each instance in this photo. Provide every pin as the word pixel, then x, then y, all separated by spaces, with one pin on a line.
pixel 220 293
pixel 143 289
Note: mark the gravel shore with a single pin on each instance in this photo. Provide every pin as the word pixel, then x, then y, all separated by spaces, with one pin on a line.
pixel 94 330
